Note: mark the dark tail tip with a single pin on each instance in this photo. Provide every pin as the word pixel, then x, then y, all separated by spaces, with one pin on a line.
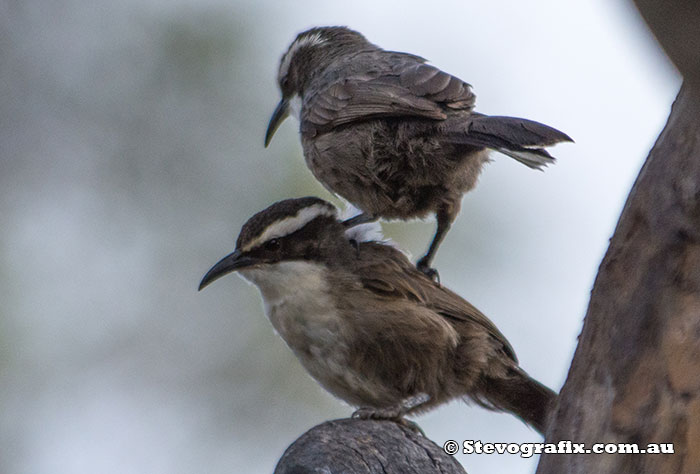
pixel 518 131
pixel 522 396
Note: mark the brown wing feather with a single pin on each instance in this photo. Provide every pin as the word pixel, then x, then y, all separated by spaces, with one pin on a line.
pixel 396 277
pixel 352 101
pixel 408 88
pixel 427 81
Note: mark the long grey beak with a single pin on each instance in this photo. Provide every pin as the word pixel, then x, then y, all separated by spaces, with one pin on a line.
pixel 278 116
pixel 230 263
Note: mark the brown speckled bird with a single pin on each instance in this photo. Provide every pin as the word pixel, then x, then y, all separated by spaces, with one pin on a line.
pixel 368 326
pixel 396 137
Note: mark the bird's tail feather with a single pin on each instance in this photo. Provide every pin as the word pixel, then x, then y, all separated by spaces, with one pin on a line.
pixel 521 139
pixel 536 158
pixel 520 395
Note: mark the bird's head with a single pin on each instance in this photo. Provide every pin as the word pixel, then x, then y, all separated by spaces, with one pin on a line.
pixel 310 53
pixel 294 230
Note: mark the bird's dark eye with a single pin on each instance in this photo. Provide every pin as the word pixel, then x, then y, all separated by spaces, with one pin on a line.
pixel 272 245
pixel 285 82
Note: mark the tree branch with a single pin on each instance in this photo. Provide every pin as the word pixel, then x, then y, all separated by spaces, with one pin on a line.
pixel 365 446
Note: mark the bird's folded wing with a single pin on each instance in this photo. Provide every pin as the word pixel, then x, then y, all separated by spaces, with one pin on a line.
pixel 407 90
pixel 396 278
pixel 452 306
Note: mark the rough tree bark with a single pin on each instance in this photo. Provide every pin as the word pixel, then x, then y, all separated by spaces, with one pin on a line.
pixel 364 447
pixel 635 377
pixel 676 24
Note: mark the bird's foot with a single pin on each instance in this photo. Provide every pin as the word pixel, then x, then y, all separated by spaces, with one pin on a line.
pixel 394 412
pixel 359 219
pixel 424 267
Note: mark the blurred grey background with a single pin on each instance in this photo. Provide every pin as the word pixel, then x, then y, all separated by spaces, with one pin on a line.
pixel 131 152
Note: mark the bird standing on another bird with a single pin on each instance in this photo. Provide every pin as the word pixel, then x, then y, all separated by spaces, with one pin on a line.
pixel 396 137
pixel 368 326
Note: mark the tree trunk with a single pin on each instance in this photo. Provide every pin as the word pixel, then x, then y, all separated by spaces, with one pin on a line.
pixel 635 377
pixel 676 24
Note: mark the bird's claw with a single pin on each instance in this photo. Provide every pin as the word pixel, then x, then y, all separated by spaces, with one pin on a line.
pixel 428 271
pixel 395 412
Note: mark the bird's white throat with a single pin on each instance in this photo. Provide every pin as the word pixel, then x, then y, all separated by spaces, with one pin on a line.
pixel 287 280
pixel 297 300
pixel 300 307
pixel 295 107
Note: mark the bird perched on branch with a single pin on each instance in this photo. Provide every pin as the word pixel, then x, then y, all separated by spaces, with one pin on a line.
pixel 368 326
pixel 396 137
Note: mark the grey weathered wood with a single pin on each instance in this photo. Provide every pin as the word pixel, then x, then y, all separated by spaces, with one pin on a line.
pixel 635 377
pixel 363 447
pixel 676 25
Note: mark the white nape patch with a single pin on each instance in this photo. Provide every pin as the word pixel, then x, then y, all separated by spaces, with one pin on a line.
pixel 369 232
pixel 290 224
pixel 295 107
pixel 310 40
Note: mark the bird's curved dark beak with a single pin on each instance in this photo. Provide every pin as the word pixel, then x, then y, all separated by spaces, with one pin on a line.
pixel 230 263
pixel 278 116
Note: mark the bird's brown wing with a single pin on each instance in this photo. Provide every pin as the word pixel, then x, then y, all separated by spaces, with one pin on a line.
pixel 396 277
pixel 406 88
pixel 451 306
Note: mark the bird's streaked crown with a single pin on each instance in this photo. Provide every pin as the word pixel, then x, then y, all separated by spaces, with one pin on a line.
pixel 281 219
pixel 335 36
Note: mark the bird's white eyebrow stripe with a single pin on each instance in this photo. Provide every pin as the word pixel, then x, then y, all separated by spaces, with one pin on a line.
pixel 311 40
pixel 290 224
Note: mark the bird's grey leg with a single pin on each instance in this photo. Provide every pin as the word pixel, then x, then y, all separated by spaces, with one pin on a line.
pixel 359 219
pixel 393 412
pixel 444 222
